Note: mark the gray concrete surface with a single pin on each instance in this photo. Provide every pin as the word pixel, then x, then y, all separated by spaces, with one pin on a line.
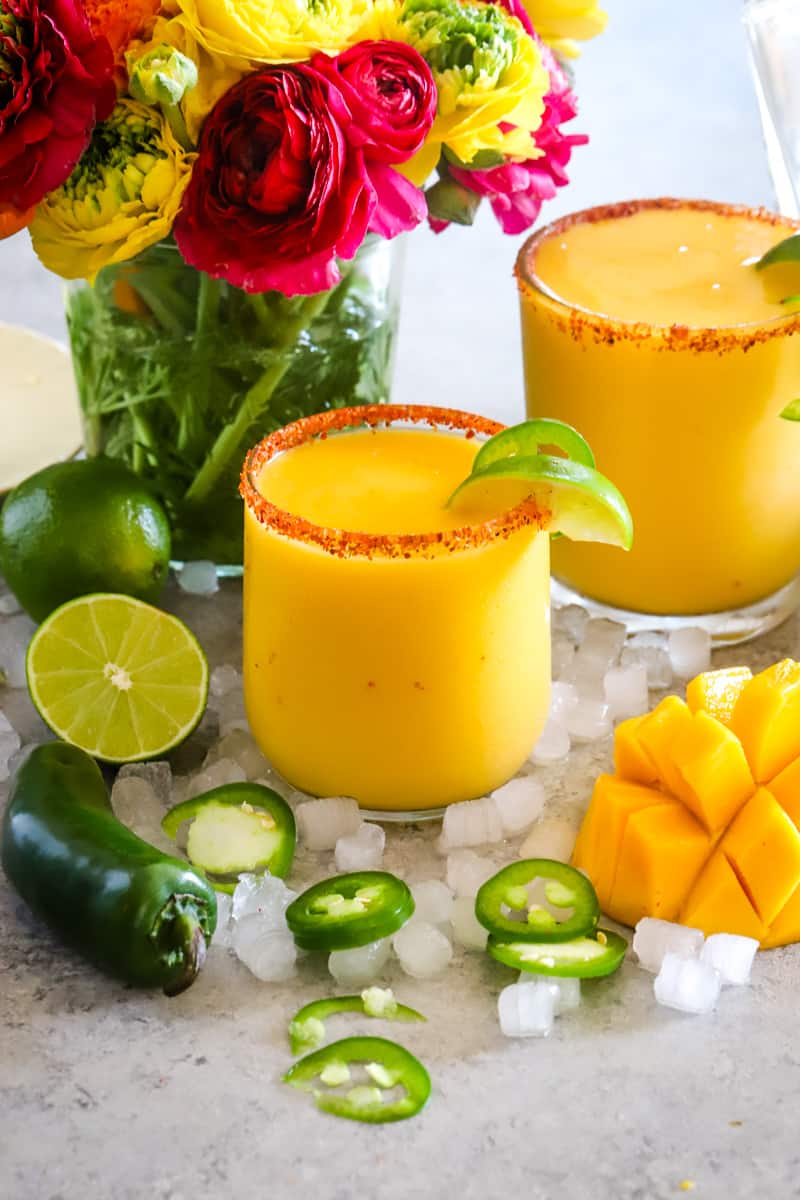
pixel 106 1093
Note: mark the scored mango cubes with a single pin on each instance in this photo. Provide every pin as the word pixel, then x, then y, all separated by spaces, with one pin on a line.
pixel 699 822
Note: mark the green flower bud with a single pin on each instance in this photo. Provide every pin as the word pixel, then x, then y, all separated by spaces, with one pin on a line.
pixel 449 201
pixel 161 76
pixel 467 46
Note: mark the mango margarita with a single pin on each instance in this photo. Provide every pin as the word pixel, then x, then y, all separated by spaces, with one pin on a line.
pixel 391 653
pixel 647 326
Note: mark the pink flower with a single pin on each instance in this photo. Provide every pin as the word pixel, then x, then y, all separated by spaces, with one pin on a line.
pixel 516 191
pixel 391 94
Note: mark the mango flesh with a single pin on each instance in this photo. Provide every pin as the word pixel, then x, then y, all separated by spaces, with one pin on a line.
pixel 699 822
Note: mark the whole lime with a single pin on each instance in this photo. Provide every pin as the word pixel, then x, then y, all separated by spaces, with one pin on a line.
pixel 81 527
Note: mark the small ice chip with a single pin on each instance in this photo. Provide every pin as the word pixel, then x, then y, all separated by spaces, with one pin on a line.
pixel 687 984
pixel 361 966
pixel 10 743
pixel 321 823
pixel 362 850
pixel 15 634
pixel 589 721
pixel 571 620
pixel 471 823
pixel 731 955
pixel 224 679
pixel 689 651
pixel 423 950
pixel 433 901
pixel 467 929
pixel 562 656
pixel 223 934
pixel 264 896
pixel 653 938
pixel 566 991
pixel 520 803
pixel 552 837
pixel 219 773
pixel 198 578
pixel 157 774
pixel 230 712
pixel 553 744
pixel 626 691
pixel 563 698
pixel 600 648
pixel 269 954
pixel 239 745
pixel 9 604
pixel 136 805
pixel 526 1010
pixel 466 871
pixel 650 651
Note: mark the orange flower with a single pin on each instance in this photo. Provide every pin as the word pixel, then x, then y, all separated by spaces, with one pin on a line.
pixel 121 20
pixel 11 221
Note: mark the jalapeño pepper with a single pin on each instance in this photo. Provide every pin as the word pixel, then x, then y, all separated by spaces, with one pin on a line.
pixel 351 910
pixel 386 1064
pixel 565 889
pixel 307 1031
pixel 581 958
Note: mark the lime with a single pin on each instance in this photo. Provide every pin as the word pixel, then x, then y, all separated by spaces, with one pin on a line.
pixel 582 504
pixel 531 437
pixel 118 678
pixel 81 527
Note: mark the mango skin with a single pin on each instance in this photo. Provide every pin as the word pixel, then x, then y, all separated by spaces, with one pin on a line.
pixel 700 821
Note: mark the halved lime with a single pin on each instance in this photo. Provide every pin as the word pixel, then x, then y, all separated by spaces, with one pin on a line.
pixel 118 678
pixel 575 499
pixel 530 437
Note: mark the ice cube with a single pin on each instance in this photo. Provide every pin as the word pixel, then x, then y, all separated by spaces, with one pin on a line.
pixel 553 744
pixel 519 802
pixel 566 991
pixel 9 604
pixel 321 823
pixel 552 837
pixel 361 966
pixel 158 775
pixel 650 651
pixel 563 698
pixel 15 633
pixel 687 984
pixel 588 721
pixel 471 823
pixel 362 850
pixel 689 651
pixel 264 896
pixel 571 620
pixel 230 712
pixel 136 805
pixel 467 929
pixel 199 578
pixel 223 934
pixel 562 655
pixel 240 745
pixel 626 691
pixel 433 901
pixel 9 745
pixel 224 679
pixel 653 938
pixel 526 1010
pixel 600 647
pixel 731 955
pixel 466 871
pixel 423 950
pixel 220 773
pixel 270 954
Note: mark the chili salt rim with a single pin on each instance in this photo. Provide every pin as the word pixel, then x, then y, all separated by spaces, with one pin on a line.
pixel 344 543
pixel 581 322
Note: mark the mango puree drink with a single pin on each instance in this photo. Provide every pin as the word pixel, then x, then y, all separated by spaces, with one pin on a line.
pixel 647 327
pixel 389 654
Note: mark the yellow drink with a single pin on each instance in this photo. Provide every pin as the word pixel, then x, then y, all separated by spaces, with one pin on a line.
pixel 648 328
pixel 388 654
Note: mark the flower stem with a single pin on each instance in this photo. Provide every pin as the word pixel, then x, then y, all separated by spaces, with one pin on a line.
pixel 177 124
pixel 228 442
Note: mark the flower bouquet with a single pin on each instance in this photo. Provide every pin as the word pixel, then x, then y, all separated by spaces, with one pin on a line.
pixel 227 177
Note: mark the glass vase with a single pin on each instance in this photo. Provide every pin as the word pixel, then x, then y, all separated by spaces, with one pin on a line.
pixel 179 374
pixel 773 29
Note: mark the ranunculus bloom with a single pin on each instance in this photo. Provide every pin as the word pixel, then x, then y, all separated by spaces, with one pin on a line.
pixel 56 81
pixel 390 92
pixel 120 21
pixel 278 191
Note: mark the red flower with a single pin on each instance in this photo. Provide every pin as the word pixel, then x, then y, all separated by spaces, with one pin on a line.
pixel 56 82
pixel 278 191
pixel 391 94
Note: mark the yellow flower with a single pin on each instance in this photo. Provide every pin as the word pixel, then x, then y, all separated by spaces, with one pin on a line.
pixel 243 32
pixel 562 23
pixel 215 75
pixel 123 196
pixel 489 74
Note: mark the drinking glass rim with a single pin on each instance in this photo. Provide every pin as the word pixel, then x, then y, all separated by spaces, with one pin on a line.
pixel 350 544
pixel 689 337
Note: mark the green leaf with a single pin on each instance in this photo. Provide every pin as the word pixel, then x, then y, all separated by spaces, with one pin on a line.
pixel 786 251
pixel 792 411
pixel 791 299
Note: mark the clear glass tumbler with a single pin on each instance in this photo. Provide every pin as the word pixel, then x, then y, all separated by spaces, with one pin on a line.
pixel 773 29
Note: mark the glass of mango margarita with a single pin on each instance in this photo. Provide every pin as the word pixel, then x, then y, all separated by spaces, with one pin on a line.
pixel 391 652
pixel 648 326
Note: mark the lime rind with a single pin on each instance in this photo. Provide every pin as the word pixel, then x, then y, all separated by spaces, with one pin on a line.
pixel 581 503
pixel 529 437
pixel 91 671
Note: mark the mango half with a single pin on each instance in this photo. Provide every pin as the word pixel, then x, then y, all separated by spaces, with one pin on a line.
pixel 699 821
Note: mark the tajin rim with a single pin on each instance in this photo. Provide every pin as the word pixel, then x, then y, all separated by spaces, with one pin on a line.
pixel 347 543
pixel 601 327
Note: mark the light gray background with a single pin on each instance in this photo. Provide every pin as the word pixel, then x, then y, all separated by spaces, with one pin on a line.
pixel 107 1093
